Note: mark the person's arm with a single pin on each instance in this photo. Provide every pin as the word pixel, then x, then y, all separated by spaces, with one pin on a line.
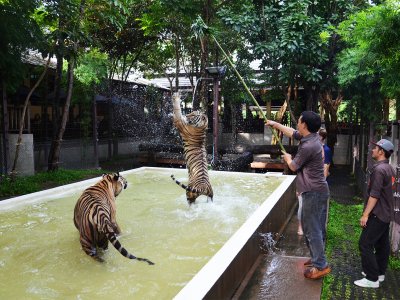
pixel 288 131
pixel 287 157
pixel 326 170
pixel 370 206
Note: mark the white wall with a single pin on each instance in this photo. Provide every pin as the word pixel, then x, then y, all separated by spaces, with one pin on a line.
pixel 25 164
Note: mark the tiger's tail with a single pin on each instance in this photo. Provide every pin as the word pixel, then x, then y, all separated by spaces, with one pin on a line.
pixel 185 187
pixel 112 237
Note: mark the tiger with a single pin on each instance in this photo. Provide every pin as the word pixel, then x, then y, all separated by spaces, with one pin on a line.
pixel 95 217
pixel 193 130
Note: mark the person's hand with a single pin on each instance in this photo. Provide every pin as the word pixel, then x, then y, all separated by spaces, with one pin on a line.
pixel 363 221
pixel 287 157
pixel 271 123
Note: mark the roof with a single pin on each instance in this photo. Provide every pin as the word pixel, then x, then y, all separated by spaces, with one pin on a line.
pixel 184 82
pixel 34 57
pixel 136 78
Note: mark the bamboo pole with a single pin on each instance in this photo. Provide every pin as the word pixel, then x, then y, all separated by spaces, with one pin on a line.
pixel 248 91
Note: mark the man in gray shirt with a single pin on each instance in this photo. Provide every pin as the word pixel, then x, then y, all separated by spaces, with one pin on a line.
pixel 374 240
pixel 312 186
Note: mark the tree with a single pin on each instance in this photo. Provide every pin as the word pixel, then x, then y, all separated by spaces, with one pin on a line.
pixel 371 61
pixel 295 42
pixel 72 33
pixel 68 31
pixel 125 43
pixel 19 32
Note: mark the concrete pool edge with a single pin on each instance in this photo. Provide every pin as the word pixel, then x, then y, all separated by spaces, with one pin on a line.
pixel 224 272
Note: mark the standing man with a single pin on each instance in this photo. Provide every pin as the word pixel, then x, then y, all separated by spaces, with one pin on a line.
pixel 311 185
pixel 374 240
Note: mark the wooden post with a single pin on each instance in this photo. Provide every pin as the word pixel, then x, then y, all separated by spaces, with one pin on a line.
pixel 5 127
pixel 95 134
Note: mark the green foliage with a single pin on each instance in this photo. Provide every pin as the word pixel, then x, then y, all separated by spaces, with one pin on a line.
pixel 18 31
pixel 343 233
pixel 91 68
pixel 295 40
pixel 371 62
pixel 343 226
pixel 43 180
pixel 394 263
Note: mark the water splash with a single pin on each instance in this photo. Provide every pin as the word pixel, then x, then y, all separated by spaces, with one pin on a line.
pixel 268 242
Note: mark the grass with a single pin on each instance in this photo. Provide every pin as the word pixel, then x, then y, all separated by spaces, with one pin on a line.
pixel 43 180
pixel 343 233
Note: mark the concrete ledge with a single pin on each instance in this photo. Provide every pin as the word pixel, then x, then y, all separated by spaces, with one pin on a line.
pixel 222 275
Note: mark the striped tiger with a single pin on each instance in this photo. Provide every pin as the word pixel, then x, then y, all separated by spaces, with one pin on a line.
pixel 95 217
pixel 193 130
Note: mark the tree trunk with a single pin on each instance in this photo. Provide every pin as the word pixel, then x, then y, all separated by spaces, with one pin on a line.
pixel 21 123
pixel 54 157
pixel 177 68
pixel 386 104
pixel 312 98
pixel 331 107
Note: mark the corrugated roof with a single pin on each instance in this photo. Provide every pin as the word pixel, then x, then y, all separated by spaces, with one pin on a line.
pixel 34 57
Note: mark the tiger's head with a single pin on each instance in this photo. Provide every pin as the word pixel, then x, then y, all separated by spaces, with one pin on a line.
pixel 197 119
pixel 119 182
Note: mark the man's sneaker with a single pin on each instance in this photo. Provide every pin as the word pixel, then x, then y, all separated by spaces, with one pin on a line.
pixel 308 263
pixel 315 273
pixel 367 283
pixel 381 278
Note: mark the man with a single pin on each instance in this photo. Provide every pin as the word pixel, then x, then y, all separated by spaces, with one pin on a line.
pixel 327 163
pixel 311 185
pixel 374 240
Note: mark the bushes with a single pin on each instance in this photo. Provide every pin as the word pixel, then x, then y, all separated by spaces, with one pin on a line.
pixel 42 181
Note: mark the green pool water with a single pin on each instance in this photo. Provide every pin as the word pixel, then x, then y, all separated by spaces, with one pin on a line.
pixel 41 258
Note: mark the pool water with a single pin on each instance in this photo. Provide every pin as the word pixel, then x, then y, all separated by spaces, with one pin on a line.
pixel 41 258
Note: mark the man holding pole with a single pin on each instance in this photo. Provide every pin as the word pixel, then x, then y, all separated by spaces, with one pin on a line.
pixel 312 186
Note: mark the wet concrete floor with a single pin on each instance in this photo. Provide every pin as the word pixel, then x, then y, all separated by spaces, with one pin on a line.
pixel 279 275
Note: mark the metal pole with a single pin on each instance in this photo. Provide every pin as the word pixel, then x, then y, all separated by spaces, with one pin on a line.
pixel 215 119
pixel 95 134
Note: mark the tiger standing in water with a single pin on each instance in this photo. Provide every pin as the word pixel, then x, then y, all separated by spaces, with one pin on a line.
pixel 193 130
pixel 95 217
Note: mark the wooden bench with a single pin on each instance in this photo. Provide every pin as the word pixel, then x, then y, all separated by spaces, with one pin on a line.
pixel 268 157
pixel 267 165
pixel 161 154
pixel 161 158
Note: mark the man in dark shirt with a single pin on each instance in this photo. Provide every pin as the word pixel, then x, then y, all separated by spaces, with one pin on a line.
pixel 311 185
pixel 374 240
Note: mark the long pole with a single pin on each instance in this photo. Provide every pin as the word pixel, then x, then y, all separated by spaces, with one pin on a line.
pixel 248 91
pixel 215 119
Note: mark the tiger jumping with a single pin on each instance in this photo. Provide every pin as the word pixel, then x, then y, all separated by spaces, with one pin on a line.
pixel 193 129
pixel 95 217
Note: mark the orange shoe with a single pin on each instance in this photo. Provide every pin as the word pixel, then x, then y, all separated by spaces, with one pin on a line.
pixel 315 273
